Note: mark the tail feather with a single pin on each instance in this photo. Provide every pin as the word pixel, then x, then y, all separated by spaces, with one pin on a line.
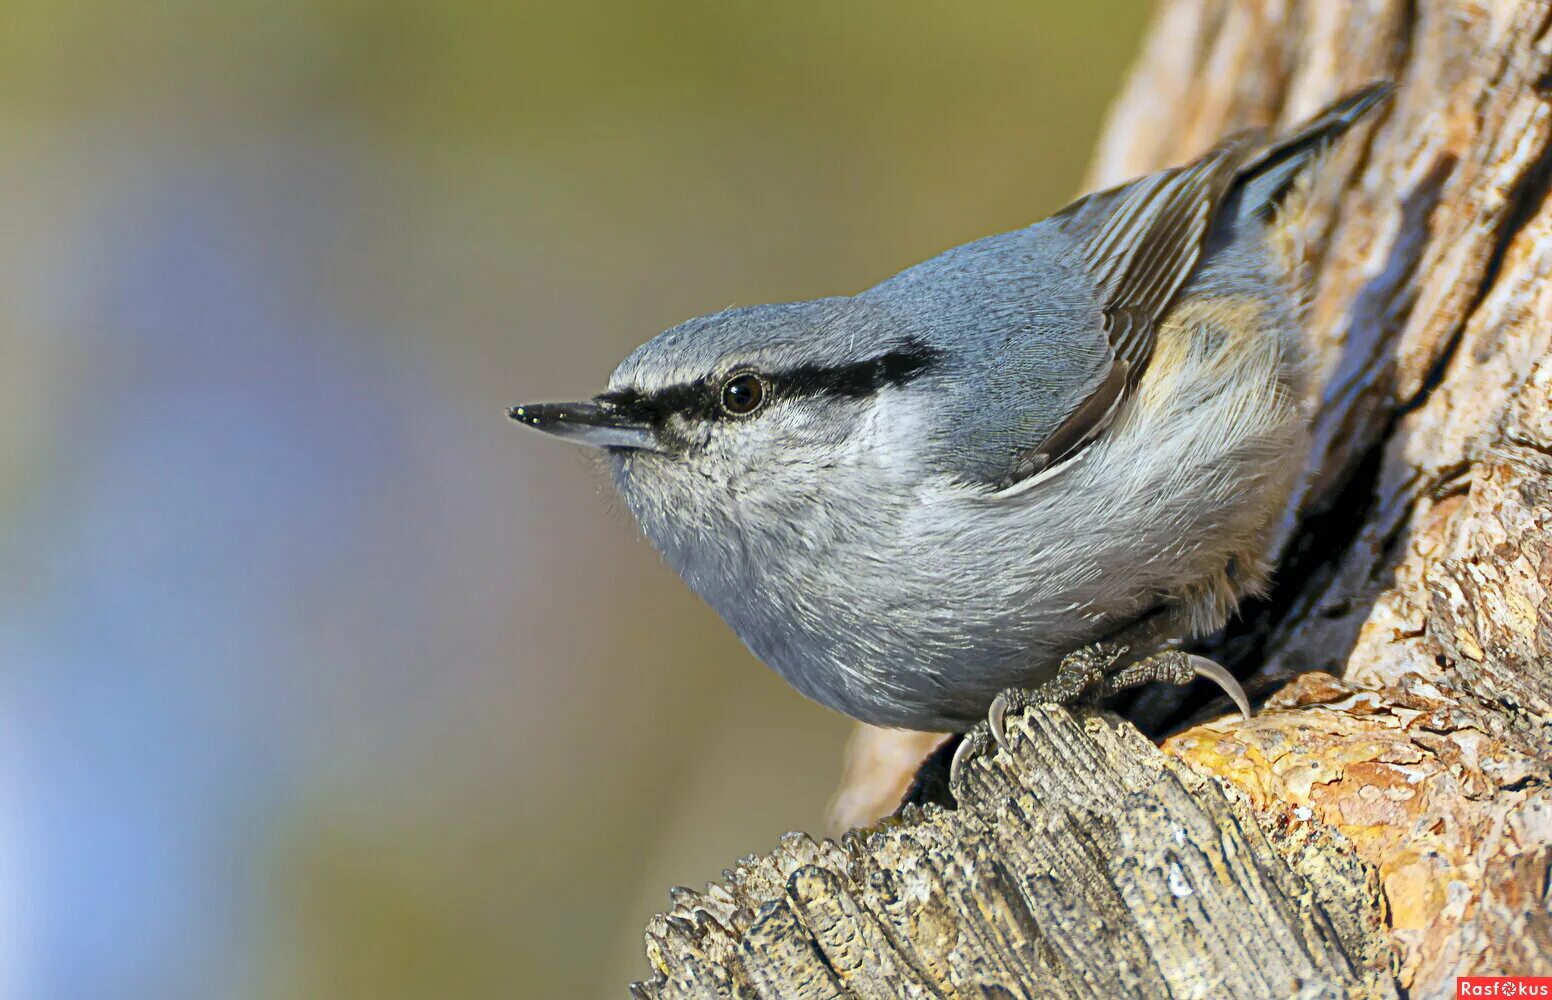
pixel 1266 177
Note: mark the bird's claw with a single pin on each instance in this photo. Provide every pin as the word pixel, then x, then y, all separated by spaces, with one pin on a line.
pixel 1206 669
pixel 996 719
pixel 1086 676
pixel 989 734
pixel 972 745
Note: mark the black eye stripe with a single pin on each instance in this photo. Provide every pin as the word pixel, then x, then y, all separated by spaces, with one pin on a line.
pixel 693 399
pixel 857 380
pixel 861 378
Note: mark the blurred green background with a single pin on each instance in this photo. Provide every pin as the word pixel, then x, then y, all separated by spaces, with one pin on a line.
pixel 324 680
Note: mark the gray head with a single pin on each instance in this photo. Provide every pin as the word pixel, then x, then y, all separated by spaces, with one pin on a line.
pixel 732 436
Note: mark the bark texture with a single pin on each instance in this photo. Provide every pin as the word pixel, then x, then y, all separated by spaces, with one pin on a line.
pixel 1120 873
pixel 1385 823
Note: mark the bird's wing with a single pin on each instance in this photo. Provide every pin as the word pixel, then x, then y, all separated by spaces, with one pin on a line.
pixel 1139 243
pixel 1149 245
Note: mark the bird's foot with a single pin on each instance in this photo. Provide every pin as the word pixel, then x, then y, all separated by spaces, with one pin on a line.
pixel 1087 676
pixel 976 742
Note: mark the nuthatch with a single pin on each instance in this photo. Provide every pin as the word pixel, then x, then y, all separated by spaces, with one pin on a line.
pixel 1019 471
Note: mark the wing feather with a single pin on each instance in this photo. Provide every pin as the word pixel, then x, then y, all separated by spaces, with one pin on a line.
pixel 1141 242
pixel 1150 245
pixel 1139 256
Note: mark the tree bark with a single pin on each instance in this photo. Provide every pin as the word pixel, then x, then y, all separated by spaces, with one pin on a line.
pixel 1384 823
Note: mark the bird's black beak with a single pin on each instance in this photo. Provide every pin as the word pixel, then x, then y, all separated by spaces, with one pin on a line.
pixel 593 423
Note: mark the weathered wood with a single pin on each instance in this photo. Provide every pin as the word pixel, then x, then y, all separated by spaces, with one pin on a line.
pixel 1120 872
pixel 1386 823
pixel 1456 822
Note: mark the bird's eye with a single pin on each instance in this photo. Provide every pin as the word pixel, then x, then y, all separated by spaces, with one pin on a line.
pixel 743 394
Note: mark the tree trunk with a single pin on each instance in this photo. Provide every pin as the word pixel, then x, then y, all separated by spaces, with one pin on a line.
pixel 1384 823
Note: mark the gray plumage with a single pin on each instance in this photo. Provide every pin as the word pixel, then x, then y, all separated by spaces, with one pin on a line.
pixel 1082 429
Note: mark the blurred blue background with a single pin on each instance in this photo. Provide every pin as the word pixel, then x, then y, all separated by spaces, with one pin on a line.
pixel 323 679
